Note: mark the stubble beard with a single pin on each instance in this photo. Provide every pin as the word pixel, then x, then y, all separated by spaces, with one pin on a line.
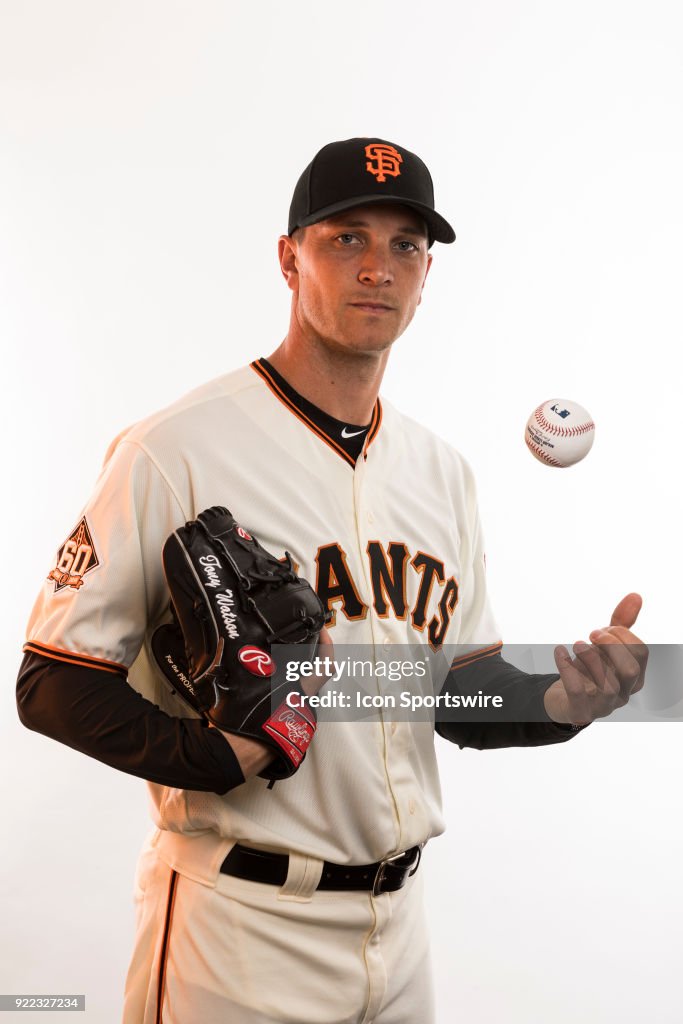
pixel 338 337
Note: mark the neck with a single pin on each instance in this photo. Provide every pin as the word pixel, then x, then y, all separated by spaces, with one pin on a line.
pixel 343 384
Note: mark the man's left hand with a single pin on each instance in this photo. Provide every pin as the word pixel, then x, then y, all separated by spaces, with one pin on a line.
pixel 604 673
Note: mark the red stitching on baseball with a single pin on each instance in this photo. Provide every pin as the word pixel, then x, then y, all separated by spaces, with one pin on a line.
pixel 541 454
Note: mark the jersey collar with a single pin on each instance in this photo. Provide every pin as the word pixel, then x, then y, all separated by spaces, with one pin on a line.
pixel 319 422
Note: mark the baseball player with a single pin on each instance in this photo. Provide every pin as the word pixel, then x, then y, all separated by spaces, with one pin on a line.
pixel 297 897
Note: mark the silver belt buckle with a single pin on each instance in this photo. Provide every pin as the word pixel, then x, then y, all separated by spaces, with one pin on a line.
pixel 379 877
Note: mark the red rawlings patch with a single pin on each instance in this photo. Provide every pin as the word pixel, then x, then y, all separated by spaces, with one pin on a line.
pixel 243 533
pixel 292 730
pixel 256 661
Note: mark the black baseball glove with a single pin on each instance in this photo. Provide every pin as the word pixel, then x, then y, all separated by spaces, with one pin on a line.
pixel 231 600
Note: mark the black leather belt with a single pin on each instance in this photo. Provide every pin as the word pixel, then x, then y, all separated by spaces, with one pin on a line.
pixel 386 875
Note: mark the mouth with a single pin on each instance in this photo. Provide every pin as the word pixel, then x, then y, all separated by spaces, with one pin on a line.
pixel 372 307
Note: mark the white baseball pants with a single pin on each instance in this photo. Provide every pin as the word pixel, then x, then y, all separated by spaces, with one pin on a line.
pixel 244 952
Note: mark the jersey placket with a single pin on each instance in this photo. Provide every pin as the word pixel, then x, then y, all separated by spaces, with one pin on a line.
pixel 366 527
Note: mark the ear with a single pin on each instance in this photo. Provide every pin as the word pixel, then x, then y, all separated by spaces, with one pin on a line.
pixel 429 263
pixel 287 250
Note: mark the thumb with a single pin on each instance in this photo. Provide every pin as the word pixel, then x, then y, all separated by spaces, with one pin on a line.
pixel 324 649
pixel 626 612
pixel 326 646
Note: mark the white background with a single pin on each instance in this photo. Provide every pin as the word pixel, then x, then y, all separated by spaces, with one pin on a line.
pixel 148 152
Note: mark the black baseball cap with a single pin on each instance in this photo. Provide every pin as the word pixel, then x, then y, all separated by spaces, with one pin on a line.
pixel 359 171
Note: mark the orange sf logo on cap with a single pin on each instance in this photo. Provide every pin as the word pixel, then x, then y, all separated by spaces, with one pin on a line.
pixel 388 160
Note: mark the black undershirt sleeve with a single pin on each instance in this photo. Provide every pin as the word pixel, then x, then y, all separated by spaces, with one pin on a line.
pixel 99 714
pixel 521 722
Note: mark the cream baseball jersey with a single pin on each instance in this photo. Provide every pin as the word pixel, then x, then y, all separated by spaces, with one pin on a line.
pixel 391 542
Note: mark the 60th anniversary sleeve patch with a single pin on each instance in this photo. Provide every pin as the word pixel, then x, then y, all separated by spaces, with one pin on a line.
pixel 75 558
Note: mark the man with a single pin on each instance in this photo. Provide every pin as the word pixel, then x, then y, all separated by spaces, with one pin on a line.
pixel 299 901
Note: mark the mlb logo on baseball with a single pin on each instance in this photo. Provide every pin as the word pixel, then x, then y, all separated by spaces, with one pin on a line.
pixel 559 433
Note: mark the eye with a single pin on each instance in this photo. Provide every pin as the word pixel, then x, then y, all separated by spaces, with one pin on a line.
pixel 346 234
pixel 412 245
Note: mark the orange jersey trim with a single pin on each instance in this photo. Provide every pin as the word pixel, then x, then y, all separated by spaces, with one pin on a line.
pixel 469 659
pixel 258 367
pixel 375 424
pixel 74 658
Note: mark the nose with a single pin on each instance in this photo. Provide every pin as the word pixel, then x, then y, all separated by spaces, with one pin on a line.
pixel 376 268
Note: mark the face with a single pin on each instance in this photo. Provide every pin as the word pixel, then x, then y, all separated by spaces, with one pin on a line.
pixel 357 278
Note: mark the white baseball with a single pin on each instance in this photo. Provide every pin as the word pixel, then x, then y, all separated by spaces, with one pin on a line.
pixel 559 433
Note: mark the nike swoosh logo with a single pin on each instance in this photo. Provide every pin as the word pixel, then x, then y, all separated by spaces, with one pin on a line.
pixel 355 433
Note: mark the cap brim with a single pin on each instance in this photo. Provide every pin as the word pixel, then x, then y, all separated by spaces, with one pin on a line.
pixel 441 230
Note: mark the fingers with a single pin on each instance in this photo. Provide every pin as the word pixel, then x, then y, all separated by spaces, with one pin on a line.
pixel 602 673
pixel 573 679
pixel 626 612
pixel 324 650
pixel 325 645
pixel 593 684
pixel 625 653
pixel 621 635
pixel 621 648
pixel 326 639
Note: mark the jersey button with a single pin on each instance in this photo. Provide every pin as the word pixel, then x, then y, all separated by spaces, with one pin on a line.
pixel 411 806
pixel 370 517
